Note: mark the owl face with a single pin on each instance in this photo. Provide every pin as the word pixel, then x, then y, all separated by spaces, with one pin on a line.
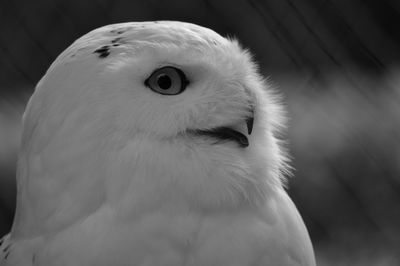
pixel 179 95
pixel 181 92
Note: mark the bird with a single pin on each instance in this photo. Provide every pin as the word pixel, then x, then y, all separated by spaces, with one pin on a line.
pixel 154 143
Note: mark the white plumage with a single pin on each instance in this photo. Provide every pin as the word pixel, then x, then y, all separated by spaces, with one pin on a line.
pixel 138 148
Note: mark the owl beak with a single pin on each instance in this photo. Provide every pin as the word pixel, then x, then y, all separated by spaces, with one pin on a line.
pixel 225 134
pixel 233 133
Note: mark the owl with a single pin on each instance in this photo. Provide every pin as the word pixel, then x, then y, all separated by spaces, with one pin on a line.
pixel 154 144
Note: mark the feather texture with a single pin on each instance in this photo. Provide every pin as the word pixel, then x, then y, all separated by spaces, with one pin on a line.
pixel 109 172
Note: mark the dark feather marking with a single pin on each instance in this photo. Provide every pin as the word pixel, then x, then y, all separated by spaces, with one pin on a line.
pixel 7 248
pixel 6 251
pixel 116 40
pixel 103 51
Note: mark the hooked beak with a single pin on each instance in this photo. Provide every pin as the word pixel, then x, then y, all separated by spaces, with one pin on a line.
pixel 231 133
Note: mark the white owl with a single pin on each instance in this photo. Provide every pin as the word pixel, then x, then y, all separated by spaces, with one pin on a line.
pixel 153 144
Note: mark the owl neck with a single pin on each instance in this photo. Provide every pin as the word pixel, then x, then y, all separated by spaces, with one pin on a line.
pixel 146 171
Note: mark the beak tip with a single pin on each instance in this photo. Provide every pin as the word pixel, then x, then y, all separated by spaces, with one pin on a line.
pixel 250 122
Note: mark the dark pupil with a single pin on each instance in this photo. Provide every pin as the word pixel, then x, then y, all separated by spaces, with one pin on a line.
pixel 164 81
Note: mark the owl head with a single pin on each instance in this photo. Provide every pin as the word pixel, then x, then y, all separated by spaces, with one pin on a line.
pixel 165 108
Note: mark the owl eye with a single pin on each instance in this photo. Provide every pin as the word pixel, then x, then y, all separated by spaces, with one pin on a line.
pixel 167 81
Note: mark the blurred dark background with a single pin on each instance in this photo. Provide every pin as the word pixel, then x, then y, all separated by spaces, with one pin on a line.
pixel 336 63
